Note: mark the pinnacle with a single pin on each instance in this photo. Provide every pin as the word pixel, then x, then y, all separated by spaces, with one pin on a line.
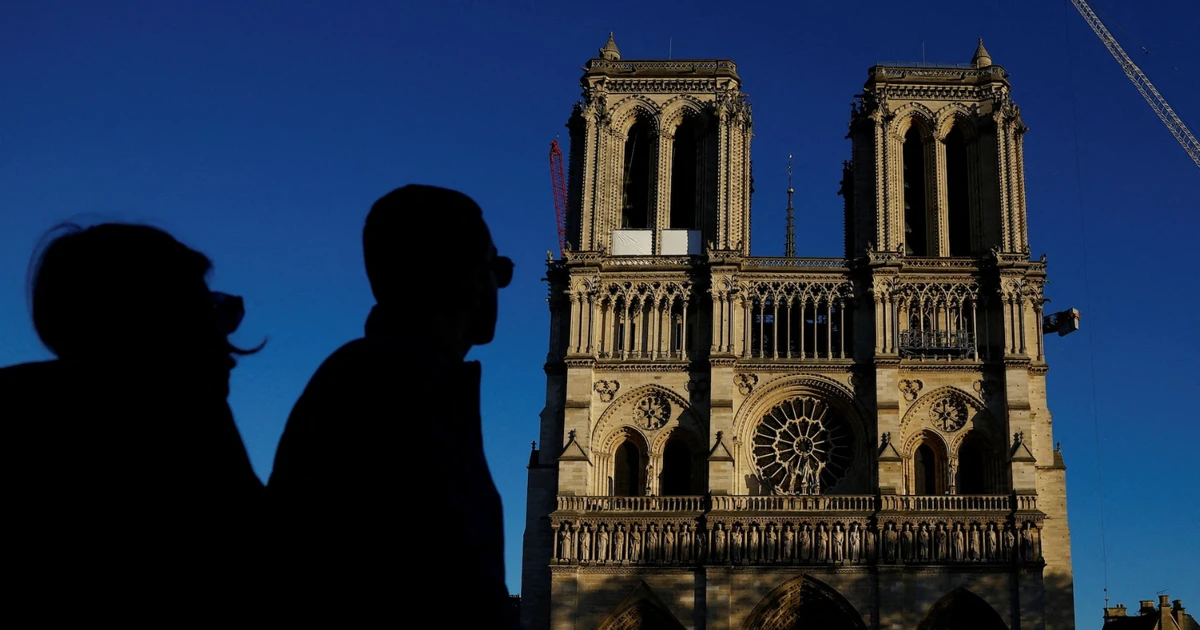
pixel 981 59
pixel 610 51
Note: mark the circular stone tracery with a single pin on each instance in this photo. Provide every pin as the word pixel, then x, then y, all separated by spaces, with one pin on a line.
pixel 802 446
pixel 653 411
pixel 948 413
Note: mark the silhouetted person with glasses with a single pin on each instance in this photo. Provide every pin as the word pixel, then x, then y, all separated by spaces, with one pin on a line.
pixel 125 478
pixel 380 474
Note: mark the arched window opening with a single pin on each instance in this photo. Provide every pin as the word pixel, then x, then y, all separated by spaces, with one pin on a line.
pixel 636 181
pixel 686 161
pixel 958 211
pixel 925 471
pixel 962 609
pixel 628 471
pixel 974 468
pixel 677 469
pixel 915 241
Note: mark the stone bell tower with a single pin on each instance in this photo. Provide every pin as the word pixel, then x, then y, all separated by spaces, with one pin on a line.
pixel 737 441
pixel 660 158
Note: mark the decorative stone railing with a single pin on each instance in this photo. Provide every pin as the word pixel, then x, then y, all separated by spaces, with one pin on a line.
pixel 631 504
pixel 787 503
pixel 824 263
pixel 945 503
pixel 648 261
pixel 838 530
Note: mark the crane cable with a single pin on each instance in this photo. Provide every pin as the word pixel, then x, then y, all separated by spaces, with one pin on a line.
pixel 1087 299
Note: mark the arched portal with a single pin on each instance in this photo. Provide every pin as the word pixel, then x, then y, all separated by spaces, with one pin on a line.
pixel 961 609
pixel 677 471
pixel 804 602
pixel 642 615
pixel 627 473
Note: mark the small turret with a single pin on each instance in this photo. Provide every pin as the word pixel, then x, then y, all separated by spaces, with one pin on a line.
pixel 610 52
pixel 981 59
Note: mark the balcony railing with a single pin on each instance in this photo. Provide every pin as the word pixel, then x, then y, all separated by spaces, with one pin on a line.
pixel 945 503
pixel 936 342
pixel 631 504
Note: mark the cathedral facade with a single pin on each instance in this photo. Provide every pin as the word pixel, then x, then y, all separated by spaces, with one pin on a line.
pixel 736 441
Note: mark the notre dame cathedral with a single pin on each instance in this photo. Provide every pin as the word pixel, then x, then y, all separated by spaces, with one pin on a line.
pixel 736 441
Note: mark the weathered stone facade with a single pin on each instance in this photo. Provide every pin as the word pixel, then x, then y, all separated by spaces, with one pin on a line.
pixel 732 441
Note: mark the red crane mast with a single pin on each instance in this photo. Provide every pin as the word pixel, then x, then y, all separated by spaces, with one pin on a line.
pixel 558 182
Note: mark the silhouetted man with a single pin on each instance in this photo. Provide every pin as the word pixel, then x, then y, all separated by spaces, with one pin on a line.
pixel 124 476
pixel 381 461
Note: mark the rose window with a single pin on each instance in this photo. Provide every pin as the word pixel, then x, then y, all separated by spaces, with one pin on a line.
pixel 652 412
pixel 949 413
pixel 802 446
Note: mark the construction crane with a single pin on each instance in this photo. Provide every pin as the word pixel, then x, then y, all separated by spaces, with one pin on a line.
pixel 1143 85
pixel 558 181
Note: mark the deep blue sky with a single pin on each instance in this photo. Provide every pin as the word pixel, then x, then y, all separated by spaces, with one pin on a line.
pixel 260 133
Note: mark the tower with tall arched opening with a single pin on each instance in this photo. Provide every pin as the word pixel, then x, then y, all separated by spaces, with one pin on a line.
pixel 742 441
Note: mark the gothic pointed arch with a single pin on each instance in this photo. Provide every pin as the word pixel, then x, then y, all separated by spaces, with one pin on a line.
pixel 955 115
pixel 960 608
pixel 803 422
pixel 914 115
pixel 648 416
pixel 804 602
pixel 641 610
pixel 949 411
pixel 631 109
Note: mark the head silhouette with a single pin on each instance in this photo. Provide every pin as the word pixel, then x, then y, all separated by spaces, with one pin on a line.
pixel 418 223
pixel 133 297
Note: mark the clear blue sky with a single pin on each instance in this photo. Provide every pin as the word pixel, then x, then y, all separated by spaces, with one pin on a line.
pixel 261 134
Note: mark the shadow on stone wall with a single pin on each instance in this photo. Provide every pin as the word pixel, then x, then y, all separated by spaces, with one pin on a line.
pixel 925 598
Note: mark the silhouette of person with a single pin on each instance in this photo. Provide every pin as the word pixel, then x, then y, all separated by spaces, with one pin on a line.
pixel 122 451
pixel 383 452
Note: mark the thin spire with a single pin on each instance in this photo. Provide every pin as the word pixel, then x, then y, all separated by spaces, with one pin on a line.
pixel 789 249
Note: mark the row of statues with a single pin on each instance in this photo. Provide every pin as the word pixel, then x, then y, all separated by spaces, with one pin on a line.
pixel 801 543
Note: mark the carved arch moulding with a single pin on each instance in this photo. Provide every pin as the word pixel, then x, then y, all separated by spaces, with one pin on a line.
pixel 905 116
pixel 648 410
pixel 627 111
pixel 955 114
pixel 947 411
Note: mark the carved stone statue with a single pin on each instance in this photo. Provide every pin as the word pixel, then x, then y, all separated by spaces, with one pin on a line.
pixel 771 539
pixel 957 544
pixel 701 545
pixel 602 544
pixel 735 544
pixel 585 543
pixel 923 543
pixel 1010 543
pixel 870 545
pixel 685 543
pixel 752 543
pixel 855 544
pixel 719 543
pixel 619 544
pixel 564 543
pixel 635 544
pixel 652 543
pixel 991 543
pixel 789 542
pixel 805 544
pixel 940 545
pixel 1028 552
pixel 906 543
pixel 668 544
pixel 891 540
pixel 975 544
pixel 839 541
pixel 822 544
